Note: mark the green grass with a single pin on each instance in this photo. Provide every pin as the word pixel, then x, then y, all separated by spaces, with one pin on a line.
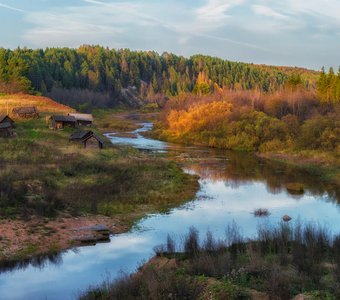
pixel 43 174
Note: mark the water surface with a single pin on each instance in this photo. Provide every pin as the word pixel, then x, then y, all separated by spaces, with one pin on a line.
pixel 232 186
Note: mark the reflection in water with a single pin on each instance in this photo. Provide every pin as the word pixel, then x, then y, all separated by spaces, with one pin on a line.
pixel 232 186
pixel 242 168
pixel 38 261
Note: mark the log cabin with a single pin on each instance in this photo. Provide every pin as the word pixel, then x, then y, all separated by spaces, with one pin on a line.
pixel 60 122
pixel 88 138
pixel 82 119
pixel 29 112
pixel 6 126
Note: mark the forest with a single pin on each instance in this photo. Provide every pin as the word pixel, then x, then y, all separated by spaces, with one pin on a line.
pixel 95 72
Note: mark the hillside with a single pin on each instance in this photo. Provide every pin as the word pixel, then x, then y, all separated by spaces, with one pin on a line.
pixel 43 104
pixel 95 76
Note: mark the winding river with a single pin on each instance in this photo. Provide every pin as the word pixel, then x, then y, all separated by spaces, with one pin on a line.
pixel 232 186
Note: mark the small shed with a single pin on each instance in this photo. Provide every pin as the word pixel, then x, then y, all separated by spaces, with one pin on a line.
pixel 60 122
pixel 6 126
pixel 82 119
pixel 27 112
pixel 88 138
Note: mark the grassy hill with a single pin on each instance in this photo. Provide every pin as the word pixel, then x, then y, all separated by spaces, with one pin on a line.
pixel 43 104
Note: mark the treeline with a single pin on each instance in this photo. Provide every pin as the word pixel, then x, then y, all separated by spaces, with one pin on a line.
pixel 328 86
pixel 107 71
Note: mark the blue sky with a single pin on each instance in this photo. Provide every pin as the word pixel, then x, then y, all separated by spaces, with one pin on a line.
pixel 287 32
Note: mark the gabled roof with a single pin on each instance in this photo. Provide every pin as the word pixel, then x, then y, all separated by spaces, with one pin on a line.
pixel 79 135
pixel 3 117
pixel 25 110
pixel 5 125
pixel 82 117
pixel 60 118
pixel 95 136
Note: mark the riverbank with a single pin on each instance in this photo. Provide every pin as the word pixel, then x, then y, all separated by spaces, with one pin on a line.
pixel 299 261
pixel 51 187
pixel 322 164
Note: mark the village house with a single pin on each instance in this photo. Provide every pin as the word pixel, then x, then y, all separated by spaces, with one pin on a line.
pixel 29 112
pixel 82 119
pixel 6 126
pixel 60 122
pixel 88 138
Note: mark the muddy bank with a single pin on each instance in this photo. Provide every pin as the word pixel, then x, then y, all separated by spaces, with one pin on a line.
pixel 23 239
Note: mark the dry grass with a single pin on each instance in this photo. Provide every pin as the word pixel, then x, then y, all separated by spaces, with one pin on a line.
pixel 44 104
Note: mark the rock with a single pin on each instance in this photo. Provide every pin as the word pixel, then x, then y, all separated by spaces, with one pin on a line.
pixel 86 239
pixel 96 228
pixel 286 218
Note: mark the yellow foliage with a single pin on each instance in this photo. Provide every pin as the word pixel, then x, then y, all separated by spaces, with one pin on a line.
pixel 197 117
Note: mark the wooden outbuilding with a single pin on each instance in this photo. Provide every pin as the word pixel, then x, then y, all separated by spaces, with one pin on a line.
pixel 29 112
pixel 6 126
pixel 82 119
pixel 60 122
pixel 88 138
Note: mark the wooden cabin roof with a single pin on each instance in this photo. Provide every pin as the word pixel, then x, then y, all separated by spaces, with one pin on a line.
pixel 80 135
pixel 84 135
pixel 25 110
pixel 60 118
pixel 4 117
pixel 95 136
pixel 82 117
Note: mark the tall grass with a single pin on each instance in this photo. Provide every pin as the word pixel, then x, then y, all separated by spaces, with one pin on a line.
pixel 281 262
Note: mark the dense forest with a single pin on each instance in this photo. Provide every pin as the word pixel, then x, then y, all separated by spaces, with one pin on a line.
pixel 94 72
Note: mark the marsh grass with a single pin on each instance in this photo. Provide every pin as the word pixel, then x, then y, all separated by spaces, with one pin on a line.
pixel 281 262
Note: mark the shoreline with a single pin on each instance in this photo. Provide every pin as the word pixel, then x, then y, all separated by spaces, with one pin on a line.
pixel 326 169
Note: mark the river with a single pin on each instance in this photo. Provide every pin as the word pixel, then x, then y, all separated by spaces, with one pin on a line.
pixel 232 186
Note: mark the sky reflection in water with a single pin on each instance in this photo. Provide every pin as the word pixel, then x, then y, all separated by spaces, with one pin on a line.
pixel 227 194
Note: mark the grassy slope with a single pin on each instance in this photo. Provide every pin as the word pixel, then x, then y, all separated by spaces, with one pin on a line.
pixel 44 177
pixel 46 105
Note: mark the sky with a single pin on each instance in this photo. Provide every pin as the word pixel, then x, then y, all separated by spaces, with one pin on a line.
pixel 287 32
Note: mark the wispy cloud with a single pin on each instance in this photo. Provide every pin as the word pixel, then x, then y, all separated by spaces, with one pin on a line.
pixel 116 21
pixel 11 7
pixel 215 10
pixel 268 12
pixel 267 31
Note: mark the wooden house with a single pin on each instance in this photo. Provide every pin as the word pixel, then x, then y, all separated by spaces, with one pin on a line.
pixel 6 126
pixel 60 122
pixel 29 112
pixel 88 139
pixel 82 119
